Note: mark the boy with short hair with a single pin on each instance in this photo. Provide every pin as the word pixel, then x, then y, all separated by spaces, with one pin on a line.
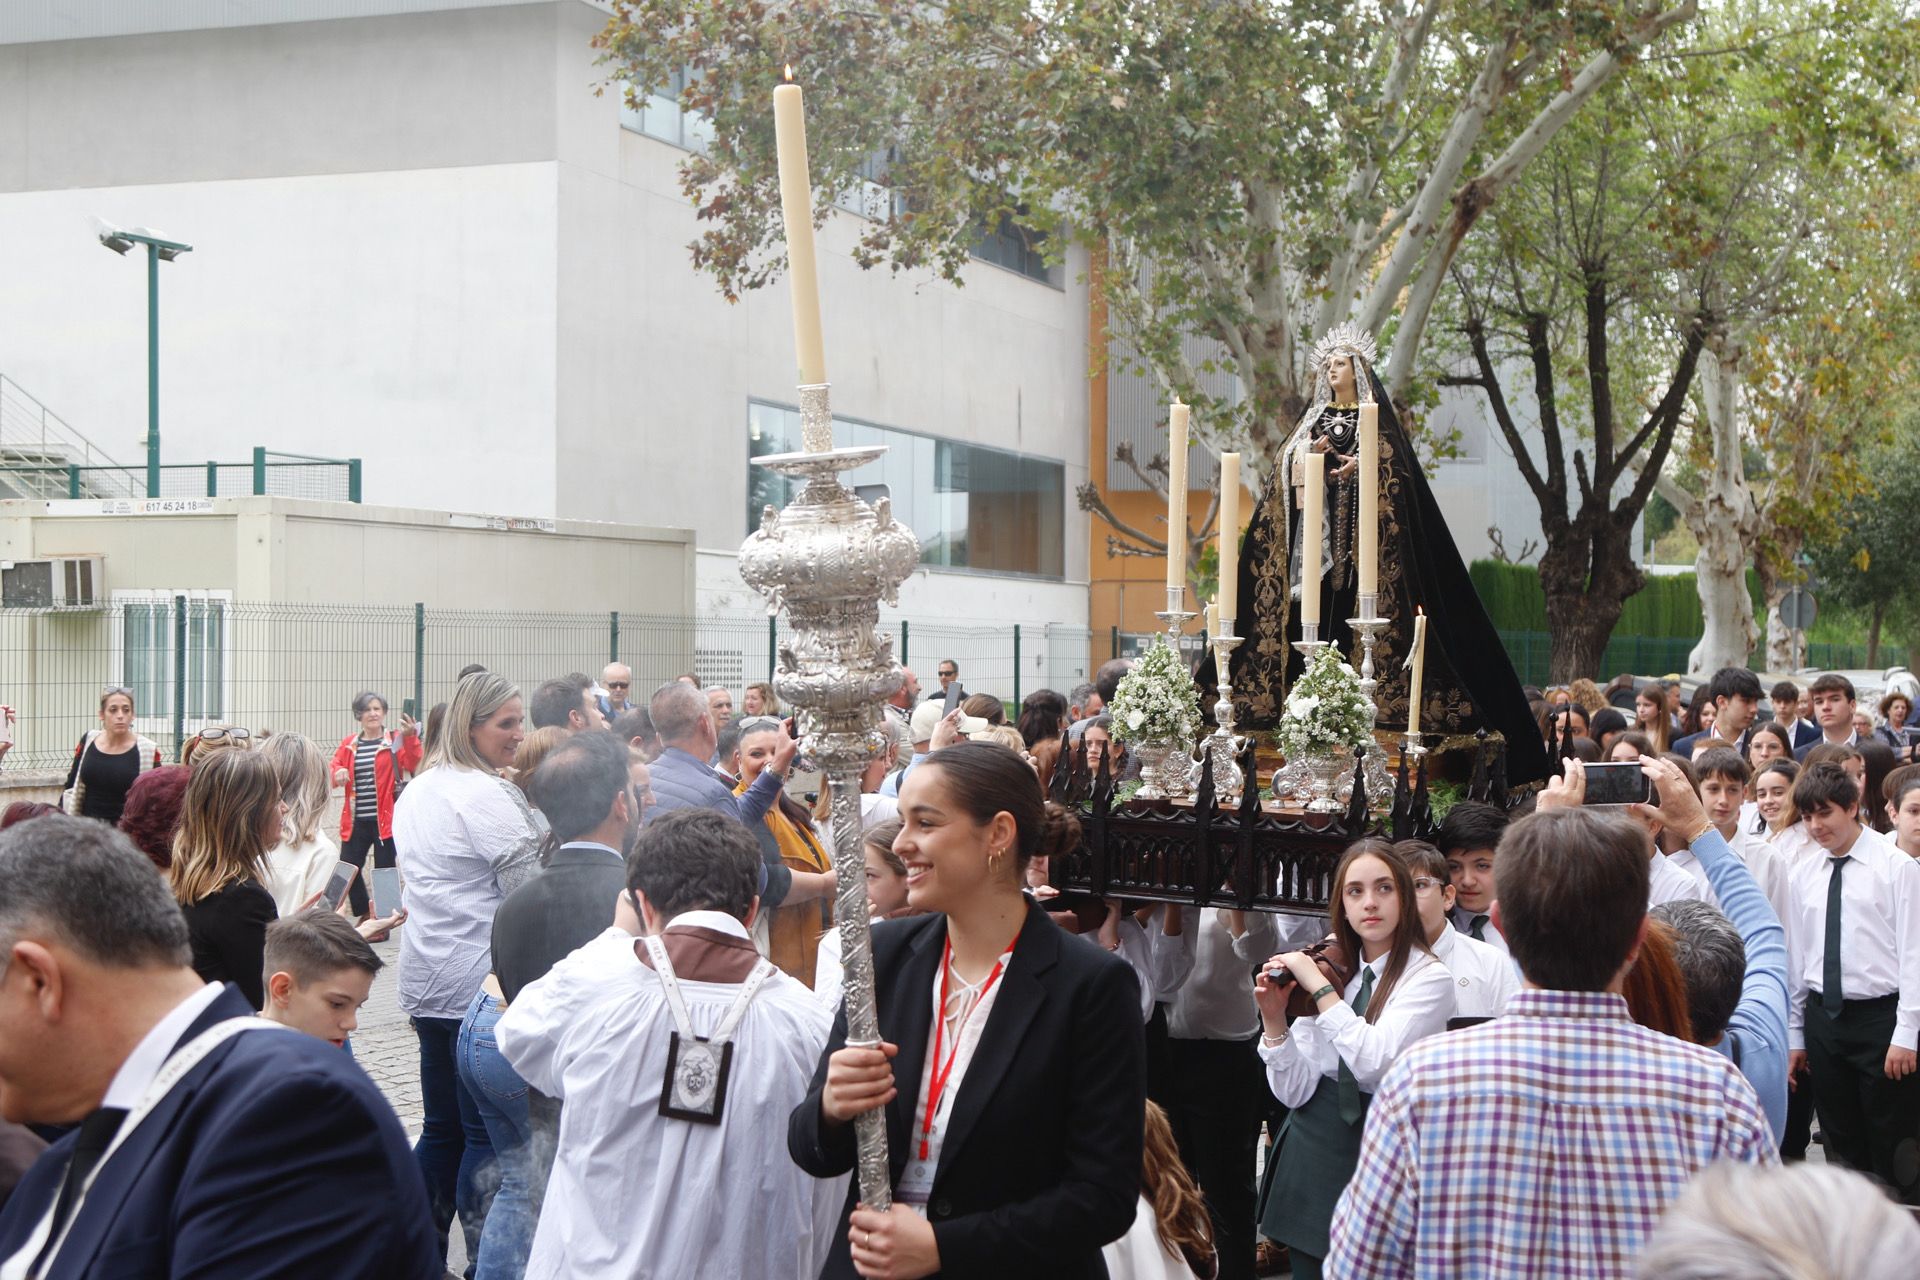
pixel 1484 978
pixel 1723 777
pixel 1854 1017
pixel 1468 837
pixel 319 971
pixel 1902 789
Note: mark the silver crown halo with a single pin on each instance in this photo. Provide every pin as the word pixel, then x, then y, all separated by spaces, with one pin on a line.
pixel 1345 336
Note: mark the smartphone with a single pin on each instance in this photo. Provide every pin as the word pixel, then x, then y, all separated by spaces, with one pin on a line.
pixel 1622 783
pixel 410 708
pixel 6 724
pixel 337 885
pixel 952 698
pixel 385 883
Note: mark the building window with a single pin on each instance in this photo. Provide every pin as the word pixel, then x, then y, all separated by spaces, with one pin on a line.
pixel 1018 248
pixel 145 641
pixel 987 510
pixel 659 115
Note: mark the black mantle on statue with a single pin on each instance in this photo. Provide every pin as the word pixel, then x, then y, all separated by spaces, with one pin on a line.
pixel 1469 682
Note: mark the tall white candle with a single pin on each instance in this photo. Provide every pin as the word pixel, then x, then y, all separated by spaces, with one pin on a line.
pixel 1229 597
pixel 1369 550
pixel 1213 617
pixel 1417 659
pixel 1177 495
pixel 1312 519
pixel 796 206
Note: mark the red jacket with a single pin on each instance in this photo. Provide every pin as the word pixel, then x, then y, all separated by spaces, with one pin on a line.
pixel 410 752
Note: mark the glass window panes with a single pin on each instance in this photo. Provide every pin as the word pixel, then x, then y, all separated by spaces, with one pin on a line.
pixel 972 507
pixel 148 658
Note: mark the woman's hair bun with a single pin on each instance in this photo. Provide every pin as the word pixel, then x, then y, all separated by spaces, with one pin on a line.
pixel 1059 833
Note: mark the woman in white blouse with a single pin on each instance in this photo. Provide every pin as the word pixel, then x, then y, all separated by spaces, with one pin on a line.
pixel 1326 1067
pixel 465 839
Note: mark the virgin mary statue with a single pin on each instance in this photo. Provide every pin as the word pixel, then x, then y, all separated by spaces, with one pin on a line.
pixel 1469 684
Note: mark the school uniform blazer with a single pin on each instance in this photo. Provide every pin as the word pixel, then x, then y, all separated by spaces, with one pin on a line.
pixel 275 1156
pixel 1041 1162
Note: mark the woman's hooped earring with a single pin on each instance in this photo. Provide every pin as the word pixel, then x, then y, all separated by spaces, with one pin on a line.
pixel 993 860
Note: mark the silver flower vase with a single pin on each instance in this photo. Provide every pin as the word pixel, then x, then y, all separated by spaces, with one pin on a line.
pixel 1326 771
pixel 1163 769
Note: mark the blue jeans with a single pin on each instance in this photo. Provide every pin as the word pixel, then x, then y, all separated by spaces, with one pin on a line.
pixel 501 1096
pixel 453 1145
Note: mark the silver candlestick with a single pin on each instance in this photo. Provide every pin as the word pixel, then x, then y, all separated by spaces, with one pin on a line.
pixel 1175 615
pixel 829 558
pixel 1293 780
pixel 1223 745
pixel 1368 627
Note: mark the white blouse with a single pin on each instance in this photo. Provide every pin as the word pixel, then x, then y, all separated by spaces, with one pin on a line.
pixel 1417 1007
pixel 916 1180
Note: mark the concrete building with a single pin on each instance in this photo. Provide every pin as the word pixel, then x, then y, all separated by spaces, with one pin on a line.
pixel 424 237
pixel 273 612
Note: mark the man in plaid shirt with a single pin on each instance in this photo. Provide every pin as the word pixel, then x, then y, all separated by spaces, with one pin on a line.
pixel 1548 1142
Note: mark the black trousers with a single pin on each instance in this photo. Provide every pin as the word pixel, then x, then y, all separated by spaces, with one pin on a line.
pixel 1215 1093
pixel 1870 1123
pixel 366 835
pixel 1799 1132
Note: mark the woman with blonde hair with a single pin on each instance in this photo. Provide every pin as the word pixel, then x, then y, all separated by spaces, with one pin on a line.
pixel 794 926
pixel 1172 1234
pixel 759 699
pixel 301 860
pixel 466 839
pixel 1586 694
pixel 230 817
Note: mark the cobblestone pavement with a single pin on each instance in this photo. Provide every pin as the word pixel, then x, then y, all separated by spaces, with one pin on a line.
pixel 385 1046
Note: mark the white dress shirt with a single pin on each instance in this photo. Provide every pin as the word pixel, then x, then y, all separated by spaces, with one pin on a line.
pixel 131 1081
pixel 1795 846
pixel 1216 1001
pixel 1161 963
pixel 1417 1007
pixel 635 1193
pixel 1879 937
pixel 1667 882
pixel 916 1179
pixel 1484 976
pixel 465 839
pixel 1463 923
pixel 1768 868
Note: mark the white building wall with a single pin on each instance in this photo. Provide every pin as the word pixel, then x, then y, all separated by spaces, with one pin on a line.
pixel 423 240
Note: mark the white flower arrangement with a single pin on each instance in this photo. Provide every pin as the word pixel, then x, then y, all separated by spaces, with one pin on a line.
pixel 1325 709
pixel 1157 700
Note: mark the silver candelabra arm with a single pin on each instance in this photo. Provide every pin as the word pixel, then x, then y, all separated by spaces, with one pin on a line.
pixel 1223 746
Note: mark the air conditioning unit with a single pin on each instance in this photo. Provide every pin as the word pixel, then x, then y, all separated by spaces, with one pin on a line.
pixel 64 582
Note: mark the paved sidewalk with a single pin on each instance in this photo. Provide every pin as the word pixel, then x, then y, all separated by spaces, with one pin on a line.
pixel 385 1046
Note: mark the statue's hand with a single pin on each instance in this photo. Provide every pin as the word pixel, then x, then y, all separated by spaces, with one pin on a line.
pixel 1322 445
pixel 1345 468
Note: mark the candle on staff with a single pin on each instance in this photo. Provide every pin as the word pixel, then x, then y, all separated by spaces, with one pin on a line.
pixel 796 206
pixel 1177 496
pixel 1417 662
pixel 1369 549
pixel 1312 518
pixel 1229 596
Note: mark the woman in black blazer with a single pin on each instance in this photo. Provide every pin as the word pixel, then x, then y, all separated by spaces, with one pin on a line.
pixel 1023 1159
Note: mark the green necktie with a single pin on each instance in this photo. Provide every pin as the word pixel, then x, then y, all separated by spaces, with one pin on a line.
pixel 1832 988
pixel 1350 1110
pixel 1478 930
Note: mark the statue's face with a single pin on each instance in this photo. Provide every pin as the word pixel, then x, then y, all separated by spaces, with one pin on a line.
pixel 1340 375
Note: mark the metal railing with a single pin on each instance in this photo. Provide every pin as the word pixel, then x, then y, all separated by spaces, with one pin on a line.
pixel 287 475
pixel 196 660
pixel 1661 655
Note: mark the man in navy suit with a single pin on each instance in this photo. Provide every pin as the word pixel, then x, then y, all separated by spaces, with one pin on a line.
pixel 1735 693
pixel 210 1142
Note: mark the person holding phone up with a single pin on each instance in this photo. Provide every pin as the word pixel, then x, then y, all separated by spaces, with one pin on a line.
pixel 369 765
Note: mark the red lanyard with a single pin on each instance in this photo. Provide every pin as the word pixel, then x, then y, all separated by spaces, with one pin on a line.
pixel 937 1085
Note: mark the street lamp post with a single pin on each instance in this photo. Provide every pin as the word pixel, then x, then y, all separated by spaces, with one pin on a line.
pixel 158 250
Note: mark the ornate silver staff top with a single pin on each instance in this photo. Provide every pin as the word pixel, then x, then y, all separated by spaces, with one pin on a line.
pixel 829 558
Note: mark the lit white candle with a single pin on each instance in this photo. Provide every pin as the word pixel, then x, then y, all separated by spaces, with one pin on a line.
pixel 1417 660
pixel 1177 495
pixel 1369 551
pixel 1229 597
pixel 1213 618
pixel 796 205
pixel 1312 518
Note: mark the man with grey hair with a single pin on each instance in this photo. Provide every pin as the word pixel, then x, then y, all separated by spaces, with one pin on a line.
pixel 209 1141
pixel 617 679
pixel 1085 702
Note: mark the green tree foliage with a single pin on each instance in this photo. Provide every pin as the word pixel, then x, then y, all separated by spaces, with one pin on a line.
pixel 1254 173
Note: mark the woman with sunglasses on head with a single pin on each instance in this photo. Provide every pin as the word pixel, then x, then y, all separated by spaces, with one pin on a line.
pixel 1327 1065
pixel 1013 1064
pixel 108 760
pixel 367 767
